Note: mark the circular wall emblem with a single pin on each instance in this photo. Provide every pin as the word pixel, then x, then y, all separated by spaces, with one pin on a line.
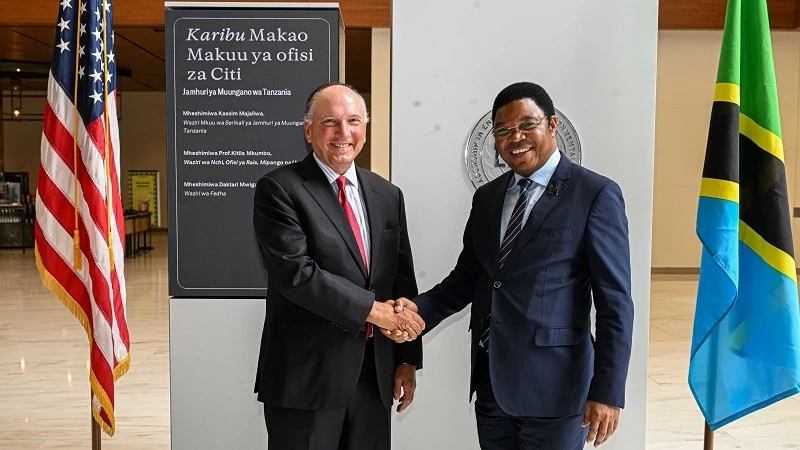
pixel 483 164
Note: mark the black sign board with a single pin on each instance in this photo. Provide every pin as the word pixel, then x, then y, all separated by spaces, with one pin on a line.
pixel 237 81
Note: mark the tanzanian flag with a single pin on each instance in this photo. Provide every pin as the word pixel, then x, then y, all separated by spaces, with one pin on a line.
pixel 746 339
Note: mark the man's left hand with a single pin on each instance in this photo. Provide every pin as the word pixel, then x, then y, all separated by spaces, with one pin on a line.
pixel 602 420
pixel 405 380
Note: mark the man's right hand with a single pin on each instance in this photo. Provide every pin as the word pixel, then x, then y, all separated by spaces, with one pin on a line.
pixel 402 303
pixel 399 305
pixel 386 316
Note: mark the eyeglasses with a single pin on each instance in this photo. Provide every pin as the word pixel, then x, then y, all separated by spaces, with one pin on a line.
pixel 522 127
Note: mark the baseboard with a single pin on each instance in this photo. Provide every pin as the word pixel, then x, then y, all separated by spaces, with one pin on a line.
pixel 681 271
pixel 675 270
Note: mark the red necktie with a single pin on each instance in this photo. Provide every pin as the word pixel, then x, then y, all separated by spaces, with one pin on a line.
pixel 341 182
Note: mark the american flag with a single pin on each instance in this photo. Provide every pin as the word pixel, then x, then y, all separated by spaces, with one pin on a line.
pixel 79 220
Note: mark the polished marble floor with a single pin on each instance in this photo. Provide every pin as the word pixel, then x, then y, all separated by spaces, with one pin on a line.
pixel 44 385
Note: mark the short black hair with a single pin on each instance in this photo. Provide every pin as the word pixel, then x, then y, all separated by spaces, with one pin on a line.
pixel 524 89
pixel 311 100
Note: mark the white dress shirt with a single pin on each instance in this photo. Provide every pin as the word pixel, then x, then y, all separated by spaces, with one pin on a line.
pixel 540 178
pixel 353 197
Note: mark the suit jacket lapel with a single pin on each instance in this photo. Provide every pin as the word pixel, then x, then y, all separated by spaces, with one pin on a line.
pixel 318 187
pixel 374 216
pixel 494 216
pixel 552 193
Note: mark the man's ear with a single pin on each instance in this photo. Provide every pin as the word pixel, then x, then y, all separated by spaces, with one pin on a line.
pixel 552 124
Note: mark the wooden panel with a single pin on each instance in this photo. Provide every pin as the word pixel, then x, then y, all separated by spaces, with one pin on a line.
pixel 33 47
pixel 797 14
pixel 149 39
pixel 782 14
pixel 150 13
pixel 365 13
pixel 18 45
pixel 693 14
pixel 147 68
pixel 358 58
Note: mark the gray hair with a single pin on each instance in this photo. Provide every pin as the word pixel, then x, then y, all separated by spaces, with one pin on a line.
pixel 311 102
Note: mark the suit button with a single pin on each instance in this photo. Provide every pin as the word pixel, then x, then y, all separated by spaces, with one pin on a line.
pixel 497 284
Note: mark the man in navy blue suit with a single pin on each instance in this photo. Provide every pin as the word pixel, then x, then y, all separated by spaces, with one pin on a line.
pixel 542 242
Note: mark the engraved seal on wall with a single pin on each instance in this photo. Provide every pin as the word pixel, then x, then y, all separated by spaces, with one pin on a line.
pixel 482 162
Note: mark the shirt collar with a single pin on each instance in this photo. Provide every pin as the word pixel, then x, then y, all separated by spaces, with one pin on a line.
pixel 332 175
pixel 541 176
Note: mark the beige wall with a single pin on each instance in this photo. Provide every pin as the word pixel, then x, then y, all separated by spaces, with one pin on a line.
pixel 142 138
pixel 687 67
pixel 379 105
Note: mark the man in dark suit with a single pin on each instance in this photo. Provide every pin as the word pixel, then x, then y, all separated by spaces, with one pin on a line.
pixel 541 243
pixel 333 240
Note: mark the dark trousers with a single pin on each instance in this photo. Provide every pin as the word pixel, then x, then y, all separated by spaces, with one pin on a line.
pixel 364 424
pixel 499 431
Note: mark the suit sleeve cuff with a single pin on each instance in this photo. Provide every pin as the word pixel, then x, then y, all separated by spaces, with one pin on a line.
pixel 409 353
pixel 354 324
pixel 607 391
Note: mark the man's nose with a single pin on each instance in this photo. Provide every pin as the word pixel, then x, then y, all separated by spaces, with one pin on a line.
pixel 342 129
pixel 516 135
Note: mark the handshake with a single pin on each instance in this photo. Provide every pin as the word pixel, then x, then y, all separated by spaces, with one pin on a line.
pixel 398 320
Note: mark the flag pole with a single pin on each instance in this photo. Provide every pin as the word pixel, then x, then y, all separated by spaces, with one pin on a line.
pixel 708 438
pixel 96 436
pixel 708 435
